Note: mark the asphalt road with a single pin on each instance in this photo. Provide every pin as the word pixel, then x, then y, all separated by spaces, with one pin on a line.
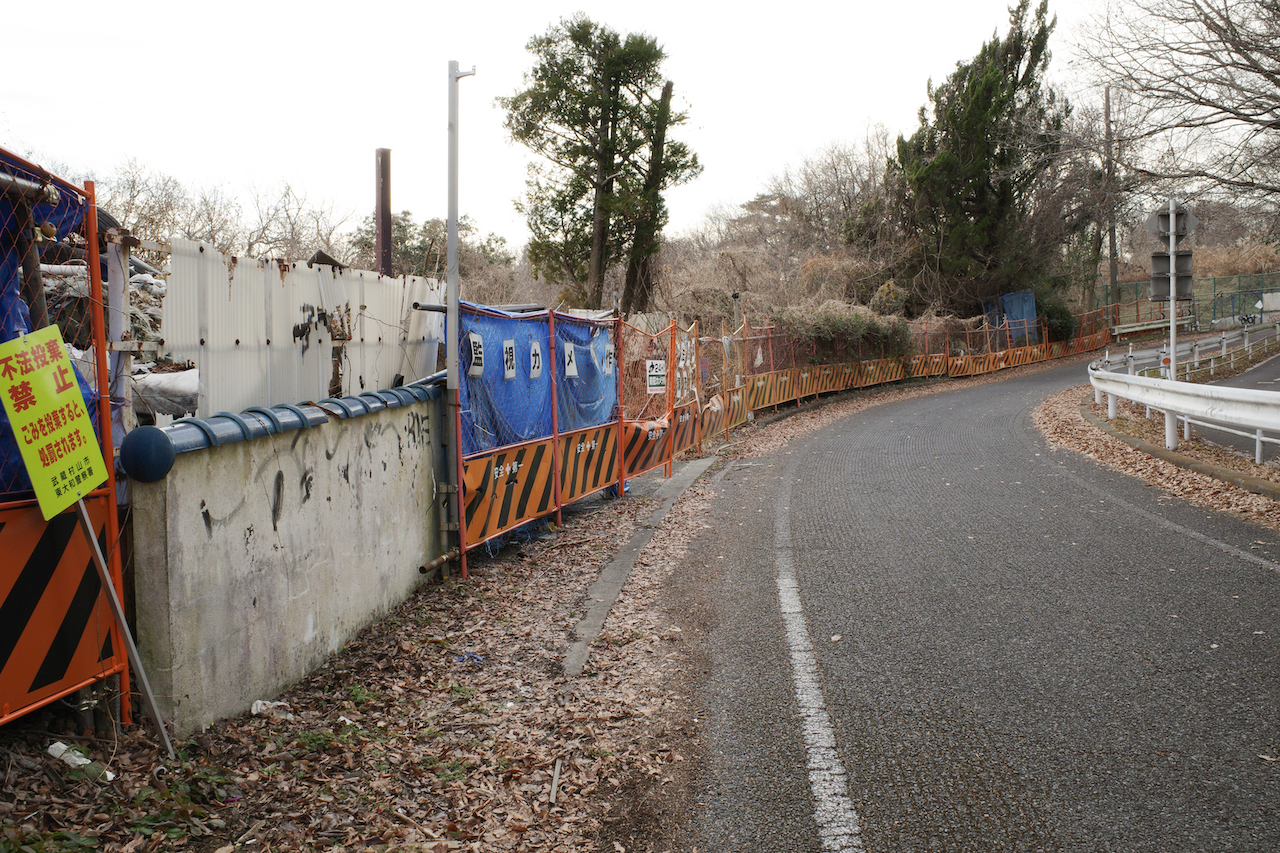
pixel 1264 377
pixel 1010 648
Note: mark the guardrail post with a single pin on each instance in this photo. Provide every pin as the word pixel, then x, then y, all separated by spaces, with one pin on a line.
pixel 1170 431
pixel 1111 407
pixel 1257 448
pixel 1224 344
pixel 1195 353
pixel 1186 429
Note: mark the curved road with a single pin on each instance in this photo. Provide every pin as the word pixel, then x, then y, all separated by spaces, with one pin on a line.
pixel 923 630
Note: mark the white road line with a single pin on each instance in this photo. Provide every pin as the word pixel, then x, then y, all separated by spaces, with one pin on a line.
pixel 833 810
pixel 1172 525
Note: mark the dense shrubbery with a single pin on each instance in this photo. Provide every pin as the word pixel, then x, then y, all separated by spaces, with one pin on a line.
pixel 835 332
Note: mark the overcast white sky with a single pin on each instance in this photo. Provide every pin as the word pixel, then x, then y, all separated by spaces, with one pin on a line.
pixel 251 94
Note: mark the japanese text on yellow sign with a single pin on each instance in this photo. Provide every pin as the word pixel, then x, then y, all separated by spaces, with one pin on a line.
pixel 47 413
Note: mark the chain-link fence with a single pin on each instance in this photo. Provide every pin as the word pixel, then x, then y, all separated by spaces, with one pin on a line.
pixel 1216 302
pixel 645 383
pixel 48 244
pixel 50 278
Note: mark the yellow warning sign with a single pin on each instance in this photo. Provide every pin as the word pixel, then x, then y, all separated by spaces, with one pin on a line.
pixel 46 410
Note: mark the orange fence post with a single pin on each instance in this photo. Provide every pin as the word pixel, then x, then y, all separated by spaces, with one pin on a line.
pixel 699 391
pixel 618 366
pixel 671 393
pixel 98 322
pixel 555 420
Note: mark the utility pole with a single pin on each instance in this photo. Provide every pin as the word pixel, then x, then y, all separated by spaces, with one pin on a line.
pixel 1111 198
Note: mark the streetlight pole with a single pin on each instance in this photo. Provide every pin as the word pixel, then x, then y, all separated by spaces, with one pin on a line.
pixel 452 392
pixel 451 252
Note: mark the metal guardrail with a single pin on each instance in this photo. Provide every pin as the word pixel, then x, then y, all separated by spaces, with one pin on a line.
pixel 1231 410
pixel 1200 356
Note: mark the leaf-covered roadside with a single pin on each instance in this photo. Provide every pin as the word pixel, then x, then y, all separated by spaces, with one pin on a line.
pixel 445 726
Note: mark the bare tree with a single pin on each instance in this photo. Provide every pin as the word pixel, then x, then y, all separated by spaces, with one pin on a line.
pixel 1208 74
pixel 212 217
pixel 150 204
pixel 286 227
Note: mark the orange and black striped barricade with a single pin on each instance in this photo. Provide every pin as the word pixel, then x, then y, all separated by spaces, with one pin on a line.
pixel 786 386
pixel 736 407
pixel 507 487
pixel 685 432
pixel 645 445
pixel 828 379
pixel 588 461
pixel 760 391
pixel 712 417
pixel 807 380
pixel 57 631
pixel 846 377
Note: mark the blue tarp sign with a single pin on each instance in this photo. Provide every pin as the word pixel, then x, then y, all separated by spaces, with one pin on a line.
pixel 507 400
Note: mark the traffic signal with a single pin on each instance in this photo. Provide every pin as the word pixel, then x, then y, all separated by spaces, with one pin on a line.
pixel 1184 222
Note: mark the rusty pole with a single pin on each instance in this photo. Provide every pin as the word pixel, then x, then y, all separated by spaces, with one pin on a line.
pixel 382 210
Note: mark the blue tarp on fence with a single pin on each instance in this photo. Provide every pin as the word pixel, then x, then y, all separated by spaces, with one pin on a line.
pixel 65 216
pixel 496 410
pixel 1020 313
pixel 507 398
pixel 589 397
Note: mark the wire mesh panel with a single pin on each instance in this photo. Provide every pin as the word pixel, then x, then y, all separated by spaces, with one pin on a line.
pixel 539 409
pixel 45 258
pixel 645 373
pixel 758 351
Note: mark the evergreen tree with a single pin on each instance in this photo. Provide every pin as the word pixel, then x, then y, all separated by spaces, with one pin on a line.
pixel 590 109
pixel 972 169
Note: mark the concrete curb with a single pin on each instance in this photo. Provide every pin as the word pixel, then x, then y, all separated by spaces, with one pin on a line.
pixel 1256 485
pixel 605 590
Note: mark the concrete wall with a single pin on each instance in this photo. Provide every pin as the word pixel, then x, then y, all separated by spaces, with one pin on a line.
pixel 256 560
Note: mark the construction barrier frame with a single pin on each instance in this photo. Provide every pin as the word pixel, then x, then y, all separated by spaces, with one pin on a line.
pixel 506 487
pixel 57 630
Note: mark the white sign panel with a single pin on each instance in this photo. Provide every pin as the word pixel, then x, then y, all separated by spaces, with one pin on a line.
pixel 477 354
pixel 655 371
pixel 535 360
pixel 570 360
pixel 509 359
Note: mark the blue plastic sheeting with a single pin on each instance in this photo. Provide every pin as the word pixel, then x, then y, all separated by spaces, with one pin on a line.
pixel 65 216
pixel 991 311
pixel 506 403
pixel 1019 307
pixel 15 319
pixel 497 411
pixel 591 397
